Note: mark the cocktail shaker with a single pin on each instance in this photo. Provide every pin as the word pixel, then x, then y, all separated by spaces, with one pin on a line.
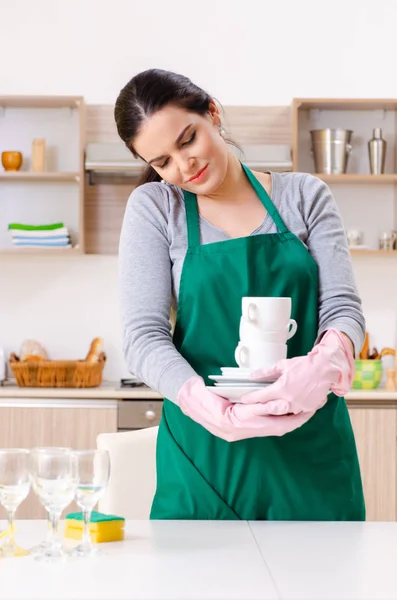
pixel 377 152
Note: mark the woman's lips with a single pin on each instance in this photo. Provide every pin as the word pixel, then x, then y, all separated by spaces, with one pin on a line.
pixel 199 175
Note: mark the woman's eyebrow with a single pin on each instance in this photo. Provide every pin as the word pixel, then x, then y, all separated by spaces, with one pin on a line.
pixel 178 139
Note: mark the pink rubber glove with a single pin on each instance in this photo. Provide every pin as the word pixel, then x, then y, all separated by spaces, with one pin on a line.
pixel 304 382
pixel 232 421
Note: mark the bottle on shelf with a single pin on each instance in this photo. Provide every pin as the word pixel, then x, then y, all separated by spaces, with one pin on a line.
pixel 377 152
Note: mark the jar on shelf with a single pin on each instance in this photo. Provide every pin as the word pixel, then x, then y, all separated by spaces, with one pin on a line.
pixel 387 240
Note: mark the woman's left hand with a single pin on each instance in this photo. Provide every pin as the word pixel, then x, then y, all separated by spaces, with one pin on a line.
pixel 304 382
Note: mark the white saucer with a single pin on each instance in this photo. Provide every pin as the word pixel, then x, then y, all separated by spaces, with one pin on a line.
pixel 229 378
pixel 236 378
pixel 235 370
pixel 232 393
pixel 242 384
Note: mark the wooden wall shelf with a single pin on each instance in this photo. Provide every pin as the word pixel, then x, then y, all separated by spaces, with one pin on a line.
pixel 58 193
pixel 359 115
pixel 358 178
pixel 373 252
pixel 31 176
pixel 367 203
pixel 41 101
pixel 44 251
pixel 345 103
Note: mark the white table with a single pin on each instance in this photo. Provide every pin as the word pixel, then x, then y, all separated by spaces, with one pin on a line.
pixel 330 561
pixel 159 560
pixel 214 560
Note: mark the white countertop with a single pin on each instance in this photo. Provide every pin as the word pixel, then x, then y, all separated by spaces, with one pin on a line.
pixel 111 390
pixel 213 560
pixel 107 390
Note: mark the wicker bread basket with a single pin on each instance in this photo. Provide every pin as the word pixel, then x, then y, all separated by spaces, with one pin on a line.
pixel 58 373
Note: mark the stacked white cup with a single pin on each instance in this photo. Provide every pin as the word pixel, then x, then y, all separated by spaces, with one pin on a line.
pixel 265 327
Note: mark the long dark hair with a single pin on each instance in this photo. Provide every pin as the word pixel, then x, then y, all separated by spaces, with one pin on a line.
pixel 149 92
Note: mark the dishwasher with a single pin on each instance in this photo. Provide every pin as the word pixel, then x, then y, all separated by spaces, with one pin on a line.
pixel 138 413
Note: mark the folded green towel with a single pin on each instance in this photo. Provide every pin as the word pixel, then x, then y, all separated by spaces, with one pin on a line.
pixel 35 227
pixel 96 517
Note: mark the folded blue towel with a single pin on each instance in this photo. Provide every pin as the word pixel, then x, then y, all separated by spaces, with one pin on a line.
pixel 42 244
pixel 30 238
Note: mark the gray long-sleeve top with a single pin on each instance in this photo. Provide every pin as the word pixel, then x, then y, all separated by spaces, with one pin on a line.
pixel 152 249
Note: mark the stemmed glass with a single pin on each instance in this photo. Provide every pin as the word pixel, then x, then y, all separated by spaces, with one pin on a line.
pixel 93 470
pixel 44 545
pixel 54 479
pixel 14 488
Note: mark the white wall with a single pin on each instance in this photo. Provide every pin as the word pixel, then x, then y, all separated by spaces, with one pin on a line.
pixel 64 302
pixel 254 52
pixel 245 52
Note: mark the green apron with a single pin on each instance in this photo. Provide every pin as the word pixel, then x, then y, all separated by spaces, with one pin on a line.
pixel 311 473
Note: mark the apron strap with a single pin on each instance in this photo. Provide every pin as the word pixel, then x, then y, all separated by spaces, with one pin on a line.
pixel 192 219
pixel 192 212
pixel 266 201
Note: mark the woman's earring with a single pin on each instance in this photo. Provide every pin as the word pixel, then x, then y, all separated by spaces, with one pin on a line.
pixel 163 181
pixel 222 132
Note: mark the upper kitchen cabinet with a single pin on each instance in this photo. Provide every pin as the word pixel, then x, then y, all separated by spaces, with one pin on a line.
pixel 48 186
pixel 330 140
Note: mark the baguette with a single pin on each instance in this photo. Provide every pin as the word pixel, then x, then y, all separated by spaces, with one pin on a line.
pixel 387 351
pixel 95 350
pixel 365 349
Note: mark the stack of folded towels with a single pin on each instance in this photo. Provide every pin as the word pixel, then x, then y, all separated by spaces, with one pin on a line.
pixel 54 235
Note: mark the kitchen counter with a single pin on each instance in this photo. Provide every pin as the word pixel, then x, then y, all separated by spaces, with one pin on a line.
pixel 107 391
pixel 215 560
pixel 111 390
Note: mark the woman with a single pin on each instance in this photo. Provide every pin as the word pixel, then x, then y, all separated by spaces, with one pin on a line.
pixel 203 231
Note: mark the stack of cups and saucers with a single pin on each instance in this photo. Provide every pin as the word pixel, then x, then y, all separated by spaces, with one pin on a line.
pixel 265 328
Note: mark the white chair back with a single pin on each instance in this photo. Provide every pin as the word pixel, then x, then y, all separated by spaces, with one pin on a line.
pixel 132 481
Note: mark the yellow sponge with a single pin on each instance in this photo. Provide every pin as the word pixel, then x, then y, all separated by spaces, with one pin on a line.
pixel 103 528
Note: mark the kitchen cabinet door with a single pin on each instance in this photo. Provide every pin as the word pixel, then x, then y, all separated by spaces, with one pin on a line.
pixel 375 432
pixel 26 427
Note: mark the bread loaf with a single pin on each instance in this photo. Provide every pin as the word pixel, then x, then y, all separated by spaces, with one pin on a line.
pixel 95 350
pixel 33 358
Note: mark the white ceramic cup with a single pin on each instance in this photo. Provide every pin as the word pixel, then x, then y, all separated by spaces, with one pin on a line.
pixel 268 313
pixel 250 332
pixel 259 355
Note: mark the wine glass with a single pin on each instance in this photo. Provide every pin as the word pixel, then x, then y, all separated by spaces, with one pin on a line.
pixel 54 479
pixel 93 470
pixel 14 488
pixel 44 545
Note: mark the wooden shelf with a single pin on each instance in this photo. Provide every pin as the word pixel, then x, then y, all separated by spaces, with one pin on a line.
pixel 23 250
pixel 345 104
pixel 60 120
pixel 31 176
pixel 40 101
pixel 373 251
pixel 357 178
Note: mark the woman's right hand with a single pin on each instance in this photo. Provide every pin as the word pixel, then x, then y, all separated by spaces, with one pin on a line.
pixel 232 421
